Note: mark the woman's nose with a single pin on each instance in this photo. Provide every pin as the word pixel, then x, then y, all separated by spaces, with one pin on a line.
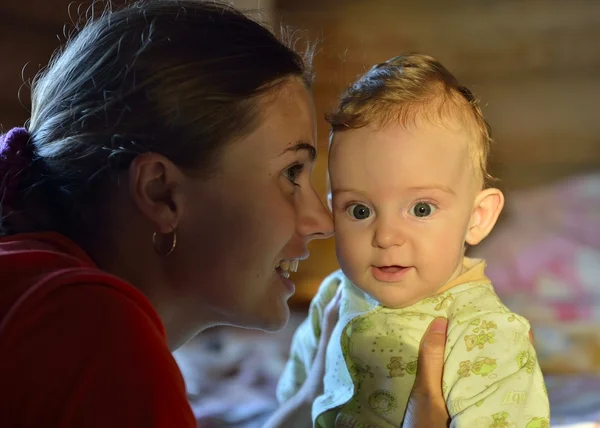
pixel 315 220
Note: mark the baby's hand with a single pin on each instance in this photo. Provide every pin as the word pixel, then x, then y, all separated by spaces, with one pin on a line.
pixel 330 317
pixel 313 386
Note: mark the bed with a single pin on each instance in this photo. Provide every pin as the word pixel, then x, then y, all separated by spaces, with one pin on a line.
pixel 544 259
pixel 232 373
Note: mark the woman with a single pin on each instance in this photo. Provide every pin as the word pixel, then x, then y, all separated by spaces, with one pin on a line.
pixel 162 187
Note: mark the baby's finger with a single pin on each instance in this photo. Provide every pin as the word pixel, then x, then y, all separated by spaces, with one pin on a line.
pixel 332 312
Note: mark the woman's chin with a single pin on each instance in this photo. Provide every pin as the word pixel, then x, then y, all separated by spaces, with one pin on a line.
pixel 274 319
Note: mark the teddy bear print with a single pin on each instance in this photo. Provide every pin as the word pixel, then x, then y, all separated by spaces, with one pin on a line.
pixel 398 368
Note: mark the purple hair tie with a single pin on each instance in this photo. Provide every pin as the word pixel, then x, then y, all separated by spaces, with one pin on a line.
pixel 15 156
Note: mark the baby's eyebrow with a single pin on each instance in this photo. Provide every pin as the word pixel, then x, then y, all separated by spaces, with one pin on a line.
pixel 441 187
pixel 342 190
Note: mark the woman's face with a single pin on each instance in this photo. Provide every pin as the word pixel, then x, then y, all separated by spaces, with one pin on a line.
pixel 258 210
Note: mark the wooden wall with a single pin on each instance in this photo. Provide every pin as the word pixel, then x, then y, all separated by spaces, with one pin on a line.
pixel 534 64
pixel 30 30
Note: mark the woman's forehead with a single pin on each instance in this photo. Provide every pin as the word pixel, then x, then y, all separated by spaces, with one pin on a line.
pixel 287 121
pixel 287 128
pixel 290 109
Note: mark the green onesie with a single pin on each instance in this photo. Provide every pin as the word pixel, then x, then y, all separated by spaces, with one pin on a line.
pixel 491 375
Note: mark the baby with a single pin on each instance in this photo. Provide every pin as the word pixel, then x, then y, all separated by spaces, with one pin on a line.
pixel 409 191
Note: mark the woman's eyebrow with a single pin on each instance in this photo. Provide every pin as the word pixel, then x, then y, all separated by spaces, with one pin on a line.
pixel 302 145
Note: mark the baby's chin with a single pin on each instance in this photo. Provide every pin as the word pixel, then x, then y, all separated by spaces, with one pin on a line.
pixel 397 296
pixel 398 303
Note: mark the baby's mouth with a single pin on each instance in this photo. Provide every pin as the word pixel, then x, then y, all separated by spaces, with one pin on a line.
pixel 389 273
pixel 391 269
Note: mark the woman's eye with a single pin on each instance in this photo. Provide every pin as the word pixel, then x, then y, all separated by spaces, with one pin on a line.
pixel 423 209
pixel 293 172
pixel 359 211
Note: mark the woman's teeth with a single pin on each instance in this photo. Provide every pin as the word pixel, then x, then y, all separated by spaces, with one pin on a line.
pixel 287 266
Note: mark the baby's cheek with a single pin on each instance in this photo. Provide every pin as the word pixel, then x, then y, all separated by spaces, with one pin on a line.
pixel 351 257
pixel 440 257
pixel 346 253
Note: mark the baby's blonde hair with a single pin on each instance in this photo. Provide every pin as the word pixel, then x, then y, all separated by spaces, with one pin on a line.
pixel 407 89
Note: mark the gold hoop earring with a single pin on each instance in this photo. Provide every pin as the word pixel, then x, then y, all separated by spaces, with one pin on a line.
pixel 157 248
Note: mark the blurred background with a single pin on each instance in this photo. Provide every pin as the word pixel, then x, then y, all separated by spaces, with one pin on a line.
pixel 535 66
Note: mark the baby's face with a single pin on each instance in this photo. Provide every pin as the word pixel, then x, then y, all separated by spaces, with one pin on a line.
pixel 402 202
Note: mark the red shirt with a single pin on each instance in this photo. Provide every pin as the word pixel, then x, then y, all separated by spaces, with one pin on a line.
pixel 79 347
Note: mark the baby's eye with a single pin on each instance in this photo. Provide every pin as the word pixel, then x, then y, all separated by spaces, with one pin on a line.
pixel 423 209
pixel 359 211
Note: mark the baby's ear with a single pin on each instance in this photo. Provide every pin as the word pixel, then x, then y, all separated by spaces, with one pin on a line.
pixel 486 209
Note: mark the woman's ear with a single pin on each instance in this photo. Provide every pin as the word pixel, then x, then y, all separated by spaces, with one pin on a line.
pixel 486 210
pixel 155 185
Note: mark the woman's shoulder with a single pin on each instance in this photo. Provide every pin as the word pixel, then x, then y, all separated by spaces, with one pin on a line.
pixel 96 348
pixel 87 310
pixel 46 274
pixel 53 292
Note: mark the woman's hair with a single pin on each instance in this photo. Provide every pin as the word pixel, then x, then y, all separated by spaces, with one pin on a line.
pixel 411 88
pixel 175 77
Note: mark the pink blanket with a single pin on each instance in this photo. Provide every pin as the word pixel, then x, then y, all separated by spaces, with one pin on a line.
pixel 544 260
